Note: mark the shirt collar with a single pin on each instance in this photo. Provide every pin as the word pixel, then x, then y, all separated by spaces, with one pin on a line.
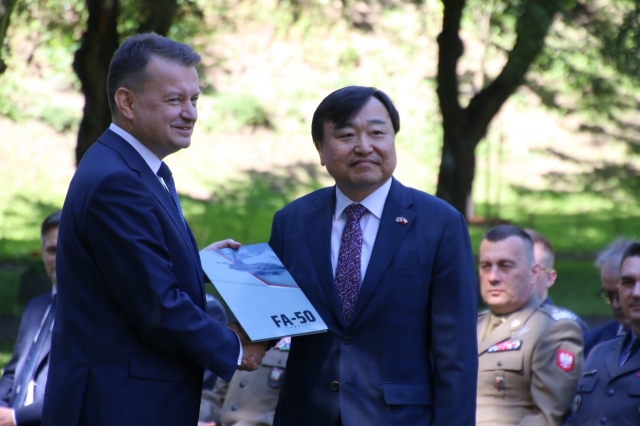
pixel 149 157
pixel 374 202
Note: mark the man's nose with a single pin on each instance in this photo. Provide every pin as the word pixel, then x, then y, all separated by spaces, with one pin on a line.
pixel 363 143
pixel 189 112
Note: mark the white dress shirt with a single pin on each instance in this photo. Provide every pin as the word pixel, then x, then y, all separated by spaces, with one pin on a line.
pixel 369 223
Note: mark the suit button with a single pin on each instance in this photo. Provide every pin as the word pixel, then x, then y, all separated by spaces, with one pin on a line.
pixel 335 385
pixel 243 384
pixel 346 339
pixel 234 407
pixel 603 420
pixel 499 363
pixel 610 392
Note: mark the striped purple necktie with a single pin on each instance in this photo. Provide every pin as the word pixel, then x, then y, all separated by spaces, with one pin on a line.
pixel 350 259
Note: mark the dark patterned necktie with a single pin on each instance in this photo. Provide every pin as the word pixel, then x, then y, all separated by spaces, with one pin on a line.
pixel 165 173
pixel 31 364
pixel 632 351
pixel 350 260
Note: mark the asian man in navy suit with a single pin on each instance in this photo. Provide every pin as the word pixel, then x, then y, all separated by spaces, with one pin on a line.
pixel 131 338
pixel 394 282
pixel 26 409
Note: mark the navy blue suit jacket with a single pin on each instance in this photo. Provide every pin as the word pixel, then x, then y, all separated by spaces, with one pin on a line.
pixel 600 334
pixel 409 354
pixel 29 325
pixel 131 338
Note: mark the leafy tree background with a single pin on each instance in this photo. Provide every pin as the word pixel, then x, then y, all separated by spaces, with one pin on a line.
pixel 464 74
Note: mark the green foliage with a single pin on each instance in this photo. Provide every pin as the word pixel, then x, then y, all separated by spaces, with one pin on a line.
pixel 243 209
pixel 10 273
pixel 233 111
pixel 349 58
pixel 6 351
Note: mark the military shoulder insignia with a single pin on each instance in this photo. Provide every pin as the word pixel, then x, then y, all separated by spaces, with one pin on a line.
pixel 559 314
pixel 565 360
pixel 506 345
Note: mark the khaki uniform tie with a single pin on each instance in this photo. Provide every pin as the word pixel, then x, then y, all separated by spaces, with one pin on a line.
pixel 494 322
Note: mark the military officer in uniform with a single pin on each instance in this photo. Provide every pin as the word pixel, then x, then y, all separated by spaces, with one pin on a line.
pixel 609 389
pixel 530 355
pixel 249 399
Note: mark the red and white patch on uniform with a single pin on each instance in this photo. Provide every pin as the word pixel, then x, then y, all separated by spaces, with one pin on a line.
pixel 565 360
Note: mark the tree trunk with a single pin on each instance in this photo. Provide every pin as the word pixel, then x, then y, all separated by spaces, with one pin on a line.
pixel 6 6
pixel 157 16
pixel 464 128
pixel 91 64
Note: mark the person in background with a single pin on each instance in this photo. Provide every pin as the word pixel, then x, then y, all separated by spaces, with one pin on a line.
pixel 250 398
pixel 609 389
pixel 545 258
pixel 25 376
pixel 608 262
pixel 530 355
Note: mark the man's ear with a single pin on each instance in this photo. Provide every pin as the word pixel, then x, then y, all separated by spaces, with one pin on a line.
pixel 535 273
pixel 552 277
pixel 125 101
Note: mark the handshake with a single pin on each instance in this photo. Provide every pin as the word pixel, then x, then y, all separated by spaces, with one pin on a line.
pixel 252 353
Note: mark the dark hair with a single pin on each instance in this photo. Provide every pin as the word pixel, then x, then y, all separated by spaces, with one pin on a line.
pixel 340 107
pixel 129 62
pixel 502 232
pixel 52 221
pixel 538 238
pixel 632 251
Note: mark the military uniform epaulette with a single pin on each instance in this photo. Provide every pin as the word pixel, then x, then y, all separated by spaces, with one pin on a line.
pixel 558 313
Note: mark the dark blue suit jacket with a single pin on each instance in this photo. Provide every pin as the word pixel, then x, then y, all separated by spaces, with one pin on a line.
pixel 600 334
pixel 131 338
pixel 409 354
pixel 29 325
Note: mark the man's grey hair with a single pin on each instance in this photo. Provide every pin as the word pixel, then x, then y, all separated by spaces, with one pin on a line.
pixel 612 254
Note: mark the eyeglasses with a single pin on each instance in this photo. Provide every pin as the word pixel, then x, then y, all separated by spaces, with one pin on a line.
pixel 608 296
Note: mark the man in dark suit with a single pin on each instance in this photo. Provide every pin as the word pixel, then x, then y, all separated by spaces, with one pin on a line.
pixel 608 261
pixel 29 365
pixel 609 389
pixel 390 270
pixel 131 337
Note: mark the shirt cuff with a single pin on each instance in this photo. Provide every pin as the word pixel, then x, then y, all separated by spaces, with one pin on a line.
pixel 241 351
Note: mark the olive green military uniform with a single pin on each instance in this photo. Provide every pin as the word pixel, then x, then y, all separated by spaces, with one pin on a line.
pixel 250 398
pixel 529 366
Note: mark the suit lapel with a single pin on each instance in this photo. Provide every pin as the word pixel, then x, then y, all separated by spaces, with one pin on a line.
pixel 318 223
pixel 151 181
pixel 390 235
pixel 613 358
pixel 631 365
